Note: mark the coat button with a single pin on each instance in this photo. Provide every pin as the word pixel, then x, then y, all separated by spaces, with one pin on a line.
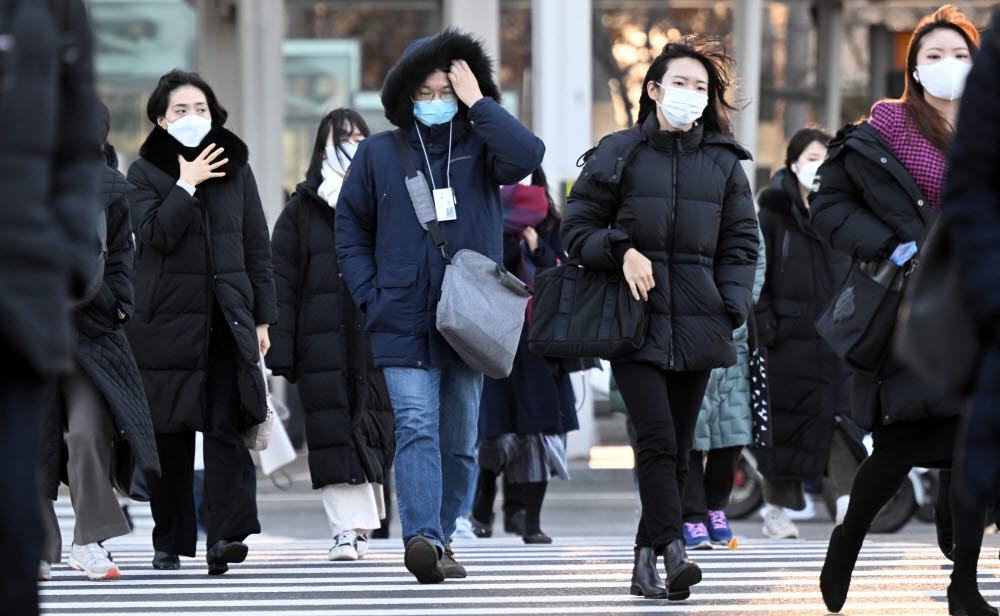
pixel 920 202
pixel 620 158
pixel 884 160
pixel 614 177
pixel 420 363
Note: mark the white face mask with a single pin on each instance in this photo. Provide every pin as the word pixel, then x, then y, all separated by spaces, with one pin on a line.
pixel 681 106
pixel 944 79
pixel 807 173
pixel 336 159
pixel 190 129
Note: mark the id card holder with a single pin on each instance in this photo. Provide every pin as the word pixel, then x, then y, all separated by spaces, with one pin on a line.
pixel 444 204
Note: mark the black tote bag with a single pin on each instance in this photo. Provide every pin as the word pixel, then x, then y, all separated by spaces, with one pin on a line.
pixel 937 335
pixel 859 321
pixel 580 312
pixel 760 399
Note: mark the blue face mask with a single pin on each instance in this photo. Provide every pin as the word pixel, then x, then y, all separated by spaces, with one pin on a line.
pixel 435 111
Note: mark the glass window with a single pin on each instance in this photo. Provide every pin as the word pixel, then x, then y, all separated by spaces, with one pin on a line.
pixel 135 42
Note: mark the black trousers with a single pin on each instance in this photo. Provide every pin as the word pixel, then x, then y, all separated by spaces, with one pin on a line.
pixel 230 477
pixel 21 537
pixel 709 482
pixel 663 407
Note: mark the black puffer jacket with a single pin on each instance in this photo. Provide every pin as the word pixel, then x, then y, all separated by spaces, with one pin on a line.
pixel 808 383
pixel 192 251
pixel 49 167
pixel 683 201
pixel 103 351
pixel 319 342
pixel 866 205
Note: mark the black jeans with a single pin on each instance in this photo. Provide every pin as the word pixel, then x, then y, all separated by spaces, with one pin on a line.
pixel 663 407
pixel 230 477
pixel 709 483
pixel 21 536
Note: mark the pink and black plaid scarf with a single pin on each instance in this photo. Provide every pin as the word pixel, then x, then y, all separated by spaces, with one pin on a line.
pixel 926 163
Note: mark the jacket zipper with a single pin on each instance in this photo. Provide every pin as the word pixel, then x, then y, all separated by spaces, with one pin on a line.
pixel 211 293
pixel 673 239
pixel 784 250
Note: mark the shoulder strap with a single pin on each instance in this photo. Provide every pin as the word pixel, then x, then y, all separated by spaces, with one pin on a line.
pixel 302 223
pixel 416 186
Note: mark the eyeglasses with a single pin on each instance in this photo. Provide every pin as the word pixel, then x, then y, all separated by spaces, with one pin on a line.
pixel 446 96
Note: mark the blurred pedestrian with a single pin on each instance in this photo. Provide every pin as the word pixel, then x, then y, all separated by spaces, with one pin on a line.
pixel 442 96
pixel 99 412
pixel 972 212
pixel 319 343
pixel 807 382
pixel 874 198
pixel 524 419
pixel 667 203
pixel 204 300
pixel 49 167
pixel 725 426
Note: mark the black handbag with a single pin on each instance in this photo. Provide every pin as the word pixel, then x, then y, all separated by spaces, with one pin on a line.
pixel 859 321
pixel 937 336
pixel 760 400
pixel 581 312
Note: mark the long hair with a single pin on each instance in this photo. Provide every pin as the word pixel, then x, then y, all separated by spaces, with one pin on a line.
pixel 930 122
pixel 336 120
pixel 719 66
pixel 800 141
pixel 160 98
pixel 538 179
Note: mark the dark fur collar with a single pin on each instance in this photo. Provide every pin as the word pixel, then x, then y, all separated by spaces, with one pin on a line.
pixel 423 59
pixel 161 149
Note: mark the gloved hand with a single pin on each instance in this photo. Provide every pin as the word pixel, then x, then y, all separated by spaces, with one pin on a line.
pixel 903 253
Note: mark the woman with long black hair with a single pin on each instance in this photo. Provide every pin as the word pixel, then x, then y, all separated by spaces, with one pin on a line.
pixel 874 198
pixel 319 343
pixel 667 203
pixel 204 300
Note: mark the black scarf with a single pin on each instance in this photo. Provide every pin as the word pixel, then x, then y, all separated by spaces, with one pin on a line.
pixel 162 150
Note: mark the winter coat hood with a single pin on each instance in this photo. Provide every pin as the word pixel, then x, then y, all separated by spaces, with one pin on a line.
pixel 423 57
pixel 162 150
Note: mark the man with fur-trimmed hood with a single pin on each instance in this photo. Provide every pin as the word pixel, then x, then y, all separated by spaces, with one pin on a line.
pixel 442 96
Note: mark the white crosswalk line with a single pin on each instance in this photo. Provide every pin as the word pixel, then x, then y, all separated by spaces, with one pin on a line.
pixel 285 577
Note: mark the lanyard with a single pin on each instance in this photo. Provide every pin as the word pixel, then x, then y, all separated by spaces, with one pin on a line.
pixel 429 170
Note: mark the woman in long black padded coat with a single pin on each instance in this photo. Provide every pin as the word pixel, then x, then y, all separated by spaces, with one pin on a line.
pixel 666 203
pixel 319 343
pixel 204 299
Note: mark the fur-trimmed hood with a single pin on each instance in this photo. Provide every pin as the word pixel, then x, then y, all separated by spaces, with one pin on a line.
pixel 422 58
pixel 161 149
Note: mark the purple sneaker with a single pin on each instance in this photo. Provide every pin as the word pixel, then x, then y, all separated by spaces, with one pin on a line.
pixel 718 528
pixel 696 537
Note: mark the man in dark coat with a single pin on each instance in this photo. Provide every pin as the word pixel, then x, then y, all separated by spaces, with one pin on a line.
pixel 972 212
pixel 102 402
pixel 442 96
pixel 48 173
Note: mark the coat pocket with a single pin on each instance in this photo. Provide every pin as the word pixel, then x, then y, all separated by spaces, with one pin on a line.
pixel 397 306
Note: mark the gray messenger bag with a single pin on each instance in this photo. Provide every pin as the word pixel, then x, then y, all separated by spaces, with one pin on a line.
pixel 482 305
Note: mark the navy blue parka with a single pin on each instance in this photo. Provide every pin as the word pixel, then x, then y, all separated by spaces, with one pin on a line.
pixel 388 260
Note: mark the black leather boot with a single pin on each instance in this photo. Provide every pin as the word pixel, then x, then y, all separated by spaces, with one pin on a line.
pixel 646 580
pixel 682 572
pixel 835 579
pixel 963 592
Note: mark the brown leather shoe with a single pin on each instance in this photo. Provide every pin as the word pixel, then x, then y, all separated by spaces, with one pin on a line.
pixel 451 567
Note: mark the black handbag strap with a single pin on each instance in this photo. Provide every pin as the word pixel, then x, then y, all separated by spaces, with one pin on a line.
pixel 411 172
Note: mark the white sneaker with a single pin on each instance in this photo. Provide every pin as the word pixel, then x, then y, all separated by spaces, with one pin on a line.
pixel 44 572
pixel 345 546
pixel 777 525
pixel 362 545
pixel 93 560
pixel 842 503
pixel 806 514
pixel 463 528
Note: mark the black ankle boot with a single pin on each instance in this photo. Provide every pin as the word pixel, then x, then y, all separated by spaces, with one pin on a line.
pixel 963 592
pixel 835 579
pixel 646 580
pixel 942 524
pixel 682 573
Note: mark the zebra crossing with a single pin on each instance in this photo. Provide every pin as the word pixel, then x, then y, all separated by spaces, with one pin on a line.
pixel 572 576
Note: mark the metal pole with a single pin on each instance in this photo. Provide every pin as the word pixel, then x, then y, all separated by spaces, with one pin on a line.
pixel 748 18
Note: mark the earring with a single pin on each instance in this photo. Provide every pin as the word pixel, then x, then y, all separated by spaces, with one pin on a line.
pixel 916 76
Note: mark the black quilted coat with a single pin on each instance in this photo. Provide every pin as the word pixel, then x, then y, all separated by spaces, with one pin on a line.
pixel 319 343
pixel 683 201
pixel 808 382
pixel 867 204
pixel 192 251
pixel 103 350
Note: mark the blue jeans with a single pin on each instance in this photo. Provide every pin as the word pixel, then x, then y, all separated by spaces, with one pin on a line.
pixel 437 413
